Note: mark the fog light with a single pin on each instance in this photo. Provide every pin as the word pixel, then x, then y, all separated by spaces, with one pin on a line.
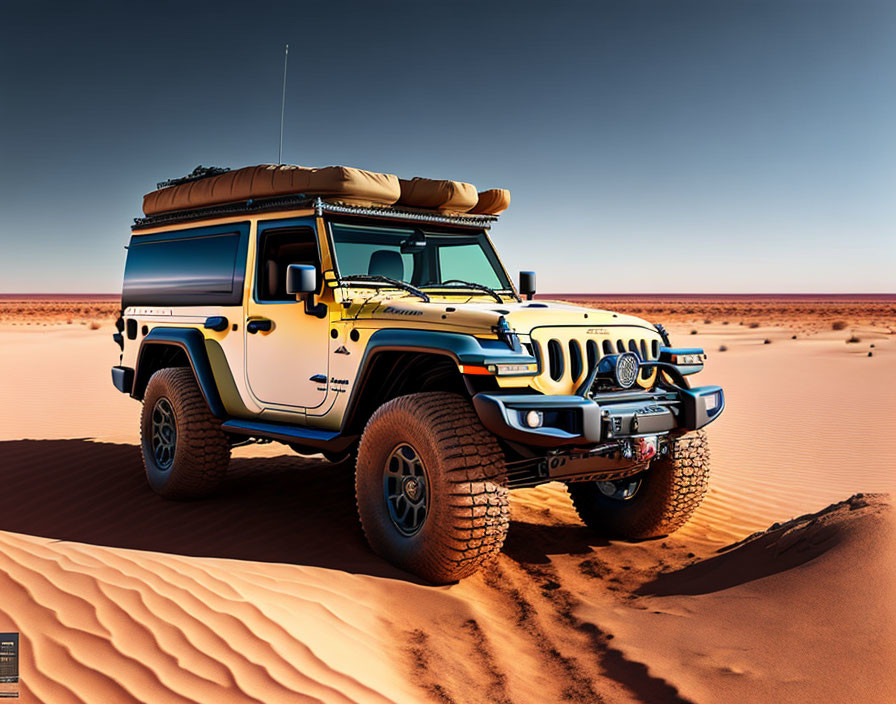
pixel 534 419
pixel 712 401
pixel 627 366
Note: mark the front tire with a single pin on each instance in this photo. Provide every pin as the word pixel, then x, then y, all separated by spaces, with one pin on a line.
pixel 663 499
pixel 185 452
pixel 431 488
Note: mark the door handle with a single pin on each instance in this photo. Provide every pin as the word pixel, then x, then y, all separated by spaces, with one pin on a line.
pixel 259 325
pixel 319 379
pixel 216 322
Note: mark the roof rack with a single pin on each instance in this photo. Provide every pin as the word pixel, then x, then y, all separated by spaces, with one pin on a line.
pixel 298 201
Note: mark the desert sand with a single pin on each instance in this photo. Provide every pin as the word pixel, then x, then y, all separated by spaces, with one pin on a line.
pixel 781 588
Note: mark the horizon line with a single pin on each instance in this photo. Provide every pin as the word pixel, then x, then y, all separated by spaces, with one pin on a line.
pixel 604 294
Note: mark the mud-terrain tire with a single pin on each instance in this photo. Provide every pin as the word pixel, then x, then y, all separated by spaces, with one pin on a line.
pixel 669 493
pixel 466 512
pixel 193 463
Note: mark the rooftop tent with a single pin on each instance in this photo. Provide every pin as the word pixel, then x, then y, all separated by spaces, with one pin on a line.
pixel 434 194
pixel 492 202
pixel 341 184
pixel 347 184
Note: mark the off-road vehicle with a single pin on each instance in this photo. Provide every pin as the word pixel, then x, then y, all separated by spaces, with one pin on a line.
pixel 368 318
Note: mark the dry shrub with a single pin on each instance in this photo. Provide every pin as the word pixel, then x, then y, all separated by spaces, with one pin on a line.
pixel 767 342
pixel 693 332
pixel 839 325
pixel 854 339
pixel 723 348
pixel 94 325
pixel 707 322
pixel 754 325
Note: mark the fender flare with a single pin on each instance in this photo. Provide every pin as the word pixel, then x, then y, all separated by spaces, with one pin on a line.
pixel 459 347
pixel 192 342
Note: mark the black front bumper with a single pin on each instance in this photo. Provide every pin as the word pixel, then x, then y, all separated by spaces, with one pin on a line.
pixel 575 421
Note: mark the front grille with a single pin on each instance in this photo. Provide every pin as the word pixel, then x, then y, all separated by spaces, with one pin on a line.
pixel 566 356
pixel 556 365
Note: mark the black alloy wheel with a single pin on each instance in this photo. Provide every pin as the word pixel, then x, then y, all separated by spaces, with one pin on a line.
pixel 406 489
pixel 164 433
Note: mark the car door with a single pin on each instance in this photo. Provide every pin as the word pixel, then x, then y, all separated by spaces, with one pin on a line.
pixel 287 350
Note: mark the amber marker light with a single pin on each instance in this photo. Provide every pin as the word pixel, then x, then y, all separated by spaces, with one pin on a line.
pixel 500 369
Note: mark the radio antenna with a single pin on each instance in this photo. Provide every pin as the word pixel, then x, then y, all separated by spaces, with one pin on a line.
pixel 283 104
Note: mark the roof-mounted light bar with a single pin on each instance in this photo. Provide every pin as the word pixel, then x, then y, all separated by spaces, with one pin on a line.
pixel 409 214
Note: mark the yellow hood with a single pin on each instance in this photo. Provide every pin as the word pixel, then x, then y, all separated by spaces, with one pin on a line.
pixel 480 315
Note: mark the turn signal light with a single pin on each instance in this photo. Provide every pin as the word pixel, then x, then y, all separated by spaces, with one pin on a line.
pixel 687 359
pixel 500 369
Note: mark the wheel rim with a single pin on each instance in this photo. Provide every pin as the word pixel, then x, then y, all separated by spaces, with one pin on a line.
pixel 164 434
pixel 620 489
pixel 406 490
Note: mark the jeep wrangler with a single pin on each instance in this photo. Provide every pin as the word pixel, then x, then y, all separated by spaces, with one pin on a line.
pixel 369 319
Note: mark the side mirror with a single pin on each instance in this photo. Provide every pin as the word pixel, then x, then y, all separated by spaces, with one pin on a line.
pixel 301 280
pixel 527 284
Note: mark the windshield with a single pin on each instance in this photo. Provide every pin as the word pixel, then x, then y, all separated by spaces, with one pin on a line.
pixel 419 257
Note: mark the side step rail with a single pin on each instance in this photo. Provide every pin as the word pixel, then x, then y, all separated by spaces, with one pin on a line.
pixel 314 438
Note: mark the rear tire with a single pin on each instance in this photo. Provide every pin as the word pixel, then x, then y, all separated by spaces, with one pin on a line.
pixel 431 488
pixel 185 452
pixel 668 494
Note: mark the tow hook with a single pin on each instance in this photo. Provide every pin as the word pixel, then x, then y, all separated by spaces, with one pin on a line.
pixel 645 448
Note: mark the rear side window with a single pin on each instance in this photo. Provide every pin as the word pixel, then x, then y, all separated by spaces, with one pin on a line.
pixel 203 266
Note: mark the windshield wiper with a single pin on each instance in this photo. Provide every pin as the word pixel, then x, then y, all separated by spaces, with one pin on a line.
pixel 468 284
pixel 376 278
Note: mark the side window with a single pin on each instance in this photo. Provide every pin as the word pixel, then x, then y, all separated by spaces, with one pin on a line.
pixel 186 267
pixel 277 250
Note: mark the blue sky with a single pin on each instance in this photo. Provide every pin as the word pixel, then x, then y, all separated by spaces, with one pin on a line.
pixel 649 146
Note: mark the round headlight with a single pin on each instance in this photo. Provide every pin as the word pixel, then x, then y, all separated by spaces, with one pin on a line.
pixel 627 366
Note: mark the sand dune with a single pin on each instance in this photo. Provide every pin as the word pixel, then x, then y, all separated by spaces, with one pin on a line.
pixel 267 592
pixel 782 616
pixel 803 612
